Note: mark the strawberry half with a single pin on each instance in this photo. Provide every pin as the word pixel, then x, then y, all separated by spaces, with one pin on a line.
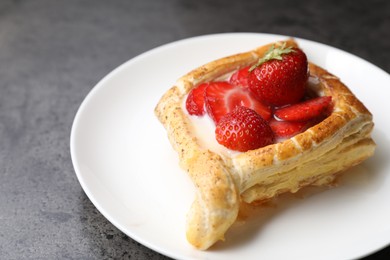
pixel 195 100
pixel 243 129
pixel 307 110
pixel 222 97
pixel 240 77
pixel 287 129
pixel 279 78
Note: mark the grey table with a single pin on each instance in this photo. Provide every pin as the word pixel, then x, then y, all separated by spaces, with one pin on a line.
pixel 53 52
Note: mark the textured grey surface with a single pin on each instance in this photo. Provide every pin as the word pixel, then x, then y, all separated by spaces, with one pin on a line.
pixel 53 52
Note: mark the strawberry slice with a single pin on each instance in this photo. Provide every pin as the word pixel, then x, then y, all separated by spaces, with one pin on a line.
pixel 287 129
pixel 307 110
pixel 195 100
pixel 240 77
pixel 222 97
pixel 243 129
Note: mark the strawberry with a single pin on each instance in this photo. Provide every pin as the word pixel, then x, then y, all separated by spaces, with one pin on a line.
pixel 307 110
pixel 243 129
pixel 240 77
pixel 195 100
pixel 222 97
pixel 287 129
pixel 279 78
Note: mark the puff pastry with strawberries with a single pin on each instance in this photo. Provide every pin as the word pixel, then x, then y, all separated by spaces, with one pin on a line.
pixel 281 123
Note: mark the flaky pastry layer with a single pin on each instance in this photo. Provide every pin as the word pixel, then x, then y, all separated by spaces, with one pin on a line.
pixel 314 157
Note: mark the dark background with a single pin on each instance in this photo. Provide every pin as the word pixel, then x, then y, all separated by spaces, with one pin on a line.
pixel 52 53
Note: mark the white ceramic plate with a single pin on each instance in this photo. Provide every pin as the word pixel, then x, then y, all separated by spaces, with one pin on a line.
pixel 128 169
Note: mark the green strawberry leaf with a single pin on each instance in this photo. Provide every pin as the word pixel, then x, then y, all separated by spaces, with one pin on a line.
pixel 273 54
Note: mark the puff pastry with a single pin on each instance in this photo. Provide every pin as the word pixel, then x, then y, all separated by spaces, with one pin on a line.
pixel 314 157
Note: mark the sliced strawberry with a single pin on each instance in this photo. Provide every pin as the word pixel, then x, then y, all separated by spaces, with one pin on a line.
pixel 195 100
pixel 243 129
pixel 307 110
pixel 240 77
pixel 287 129
pixel 222 97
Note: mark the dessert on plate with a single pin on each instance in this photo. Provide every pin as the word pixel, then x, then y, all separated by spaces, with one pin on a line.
pixel 257 124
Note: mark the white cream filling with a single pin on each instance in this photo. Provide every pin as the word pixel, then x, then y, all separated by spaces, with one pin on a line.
pixel 204 126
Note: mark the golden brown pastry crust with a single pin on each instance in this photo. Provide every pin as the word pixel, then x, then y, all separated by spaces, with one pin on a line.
pixel 313 157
